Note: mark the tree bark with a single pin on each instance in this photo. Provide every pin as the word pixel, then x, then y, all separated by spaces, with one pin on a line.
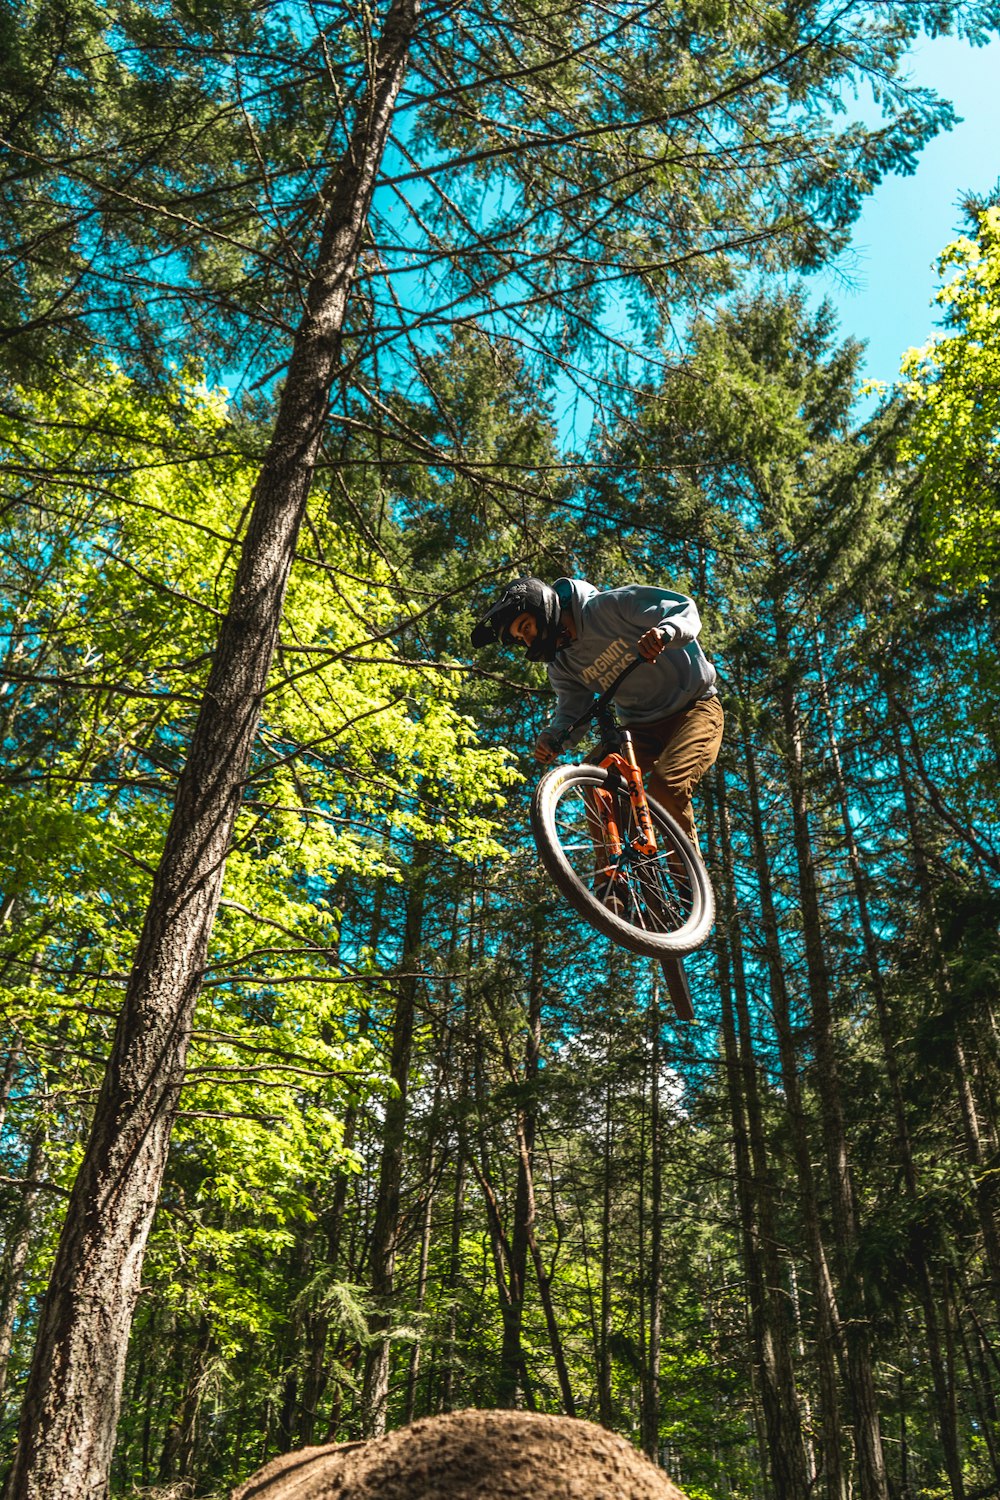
pixel 544 1279
pixel 944 1389
pixel 968 1110
pixel 413 1373
pixel 451 1370
pixel 385 1231
pixel 829 1337
pixel 9 1073
pixel 786 1452
pixel 511 1355
pixel 861 1382
pixel 73 1395
pixel 15 1254
pixel 650 1394
pixel 605 1412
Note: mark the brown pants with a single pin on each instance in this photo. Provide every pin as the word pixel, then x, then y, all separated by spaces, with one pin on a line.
pixel 675 753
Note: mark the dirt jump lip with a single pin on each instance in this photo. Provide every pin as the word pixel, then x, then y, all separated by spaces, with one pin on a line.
pixel 469 1455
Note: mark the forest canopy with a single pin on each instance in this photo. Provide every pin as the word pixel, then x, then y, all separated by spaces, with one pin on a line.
pixel 320 1110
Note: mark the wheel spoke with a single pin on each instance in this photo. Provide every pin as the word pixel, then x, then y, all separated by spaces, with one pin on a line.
pixel 660 896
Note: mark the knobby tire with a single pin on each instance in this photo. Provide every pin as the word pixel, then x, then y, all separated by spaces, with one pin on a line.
pixel 686 904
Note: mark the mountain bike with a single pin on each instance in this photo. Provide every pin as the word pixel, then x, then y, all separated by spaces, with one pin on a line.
pixel 617 856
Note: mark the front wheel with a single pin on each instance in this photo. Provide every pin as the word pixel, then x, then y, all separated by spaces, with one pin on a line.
pixel 659 905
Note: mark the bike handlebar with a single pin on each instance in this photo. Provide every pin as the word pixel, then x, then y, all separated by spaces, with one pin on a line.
pixel 599 704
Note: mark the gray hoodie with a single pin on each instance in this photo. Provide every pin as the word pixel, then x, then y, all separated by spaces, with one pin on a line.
pixel 607 628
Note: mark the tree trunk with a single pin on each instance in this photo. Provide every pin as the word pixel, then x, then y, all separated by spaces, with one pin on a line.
pixel 944 1390
pixel 861 1382
pixel 15 1255
pixel 650 1405
pixel 385 1231
pixel 511 1355
pixel 452 1368
pixel 982 1382
pixel 604 1332
pixel 786 1453
pixel 148 1408
pixel 968 1112
pixel 72 1400
pixel 544 1279
pixel 316 1377
pixel 6 1082
pixel 179 1442
pixel 500 1246
pixel 425 1253
pixel 829 1339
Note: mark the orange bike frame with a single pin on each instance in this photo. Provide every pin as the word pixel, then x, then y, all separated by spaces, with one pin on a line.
pixel 628 769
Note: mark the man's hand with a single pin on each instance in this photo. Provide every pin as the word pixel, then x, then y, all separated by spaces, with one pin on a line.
pixel 651 644
pixel 545 748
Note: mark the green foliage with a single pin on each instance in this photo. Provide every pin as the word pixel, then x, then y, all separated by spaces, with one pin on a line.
pixel 953 438
pixel 565 184
pixel 122 517
pixel 155 154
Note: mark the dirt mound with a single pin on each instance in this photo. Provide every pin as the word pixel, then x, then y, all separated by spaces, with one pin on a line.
pixel 469 1455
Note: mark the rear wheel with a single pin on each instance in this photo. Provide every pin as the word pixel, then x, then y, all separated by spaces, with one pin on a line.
pixel 657 904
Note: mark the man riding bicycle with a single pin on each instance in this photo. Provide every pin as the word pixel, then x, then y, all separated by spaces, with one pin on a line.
pixel 585 637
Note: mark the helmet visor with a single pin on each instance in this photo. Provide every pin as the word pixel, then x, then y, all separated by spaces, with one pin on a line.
pixel 526 596
pixel 496 622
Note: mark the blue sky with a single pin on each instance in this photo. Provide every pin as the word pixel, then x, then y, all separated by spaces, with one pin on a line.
pixel 884 288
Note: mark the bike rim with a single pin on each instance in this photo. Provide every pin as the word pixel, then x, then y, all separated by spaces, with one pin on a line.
pixel 652 894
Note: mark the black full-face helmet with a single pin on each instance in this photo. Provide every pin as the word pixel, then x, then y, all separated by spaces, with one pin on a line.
pixel 525 596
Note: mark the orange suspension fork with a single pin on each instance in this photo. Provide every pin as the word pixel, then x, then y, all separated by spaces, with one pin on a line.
pixel 610 833
pixel 628 768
